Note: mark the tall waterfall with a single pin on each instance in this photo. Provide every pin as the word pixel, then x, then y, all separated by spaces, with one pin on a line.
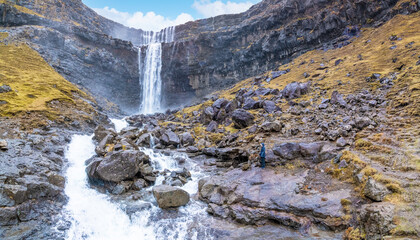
pixel 150 69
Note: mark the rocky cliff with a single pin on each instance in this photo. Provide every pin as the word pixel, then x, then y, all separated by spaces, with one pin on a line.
pixel 214 53
pixel 77 42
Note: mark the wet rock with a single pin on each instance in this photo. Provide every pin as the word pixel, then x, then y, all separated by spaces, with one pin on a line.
pixel 242 118
pixel 187 139
pixel 12 195
pixel 271 126
pixel 169 196
pixel 377 219
pixel 101 132
pixel 118 166
pixel 169 138
pixel 5 88
pixel 3 145
pixel 121 188
pixel 101 148
pixel 146 170
pixel 287 151
pixel 295 90
pixel 375 191
pixel 139 184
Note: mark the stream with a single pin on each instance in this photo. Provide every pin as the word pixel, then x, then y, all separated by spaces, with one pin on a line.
pixel 92 214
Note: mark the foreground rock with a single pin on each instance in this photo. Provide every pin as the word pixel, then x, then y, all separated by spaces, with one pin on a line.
pixel 169 196
pixel 259 196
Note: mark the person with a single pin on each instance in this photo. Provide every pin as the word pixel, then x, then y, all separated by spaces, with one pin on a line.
pixel 262 155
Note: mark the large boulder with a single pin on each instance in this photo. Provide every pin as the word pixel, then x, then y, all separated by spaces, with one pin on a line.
pixel 271 126
pixel 375 191
pixel 207 115
pixel 242 118
pixel 377 219
pixel 250 104
pixel 169 196
pixel 220 103
pixel 187 139
pixel 270 106
pixel 287 151
pixel 119 166
pixel 295 90
pixel 169 138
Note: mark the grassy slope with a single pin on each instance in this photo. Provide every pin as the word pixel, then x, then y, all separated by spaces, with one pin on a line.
pixel 397 148
pixel 37 88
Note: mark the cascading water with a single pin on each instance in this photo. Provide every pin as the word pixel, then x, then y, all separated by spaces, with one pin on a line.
pixel 95 215
pixel 150 69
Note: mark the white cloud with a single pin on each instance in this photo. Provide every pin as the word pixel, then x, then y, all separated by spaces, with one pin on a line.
pixel 149 21
pixel 208 8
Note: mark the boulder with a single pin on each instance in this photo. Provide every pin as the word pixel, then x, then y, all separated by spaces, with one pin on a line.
pixel 287 151
pixel 250 104
pixel 169 138
pixel 270 106
pixel 375 191
pixel 271 126
pixel 5 88
pixel 187 139
pixel 377 219
pixel 207 115
pixel 8 216
pixel 242 118
pixel 192 149
pixel 310 150
pixel 139 184
pixel 220 103
pixel 170 196
pixel 295 90
pixel 212 127
pixel 101 148
pixel 119 166
pixel 327 152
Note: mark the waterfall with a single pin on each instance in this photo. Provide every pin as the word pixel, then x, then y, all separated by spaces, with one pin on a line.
pixel 150 67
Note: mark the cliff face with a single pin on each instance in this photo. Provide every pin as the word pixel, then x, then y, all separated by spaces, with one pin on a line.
pixel 77 42
pixel 214 53
pixel 207 55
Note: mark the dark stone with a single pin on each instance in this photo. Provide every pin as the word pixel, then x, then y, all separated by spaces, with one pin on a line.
pixel 5 88
pixel 287 151
pixel 212 127
pixel 295 90
pixel 250 104
pixel 242 118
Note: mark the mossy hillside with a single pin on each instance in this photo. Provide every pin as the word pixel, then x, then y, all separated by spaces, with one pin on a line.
pixel 37 88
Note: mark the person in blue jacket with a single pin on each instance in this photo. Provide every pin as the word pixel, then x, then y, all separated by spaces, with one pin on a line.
pixel 262 155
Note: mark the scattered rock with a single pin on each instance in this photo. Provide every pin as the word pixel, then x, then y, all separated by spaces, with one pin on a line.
pixel 242 118
pixel 169 138
pixel 375 191
pixel 169 196
pixel 295 90
pixel 287 151
pixel 5 88
pixel 377 219
pixel 271 126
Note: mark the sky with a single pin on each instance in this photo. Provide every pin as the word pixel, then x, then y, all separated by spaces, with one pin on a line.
pixel 158 14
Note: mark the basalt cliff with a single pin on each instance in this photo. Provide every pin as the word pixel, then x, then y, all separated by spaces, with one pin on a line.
pixel 101 56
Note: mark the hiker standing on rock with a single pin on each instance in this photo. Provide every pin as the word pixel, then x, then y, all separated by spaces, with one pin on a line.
pixel 262 155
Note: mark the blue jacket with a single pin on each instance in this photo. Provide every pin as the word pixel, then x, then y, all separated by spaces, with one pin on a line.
pixel 262 153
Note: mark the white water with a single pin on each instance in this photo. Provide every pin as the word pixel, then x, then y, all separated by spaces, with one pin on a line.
pixel 150 69
pixel 94 215
pixel 119 124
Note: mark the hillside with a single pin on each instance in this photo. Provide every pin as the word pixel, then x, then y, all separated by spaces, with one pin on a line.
pixel 361 100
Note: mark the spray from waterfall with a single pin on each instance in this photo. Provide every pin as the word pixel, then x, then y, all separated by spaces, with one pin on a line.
pixel 150 67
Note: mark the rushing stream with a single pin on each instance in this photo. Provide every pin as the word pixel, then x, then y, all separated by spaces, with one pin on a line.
pixel 95 215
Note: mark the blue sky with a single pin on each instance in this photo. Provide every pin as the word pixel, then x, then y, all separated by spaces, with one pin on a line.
pixel 158 14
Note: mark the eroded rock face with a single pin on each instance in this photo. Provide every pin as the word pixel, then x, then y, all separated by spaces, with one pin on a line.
pixel 256 196
pixel 169 196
